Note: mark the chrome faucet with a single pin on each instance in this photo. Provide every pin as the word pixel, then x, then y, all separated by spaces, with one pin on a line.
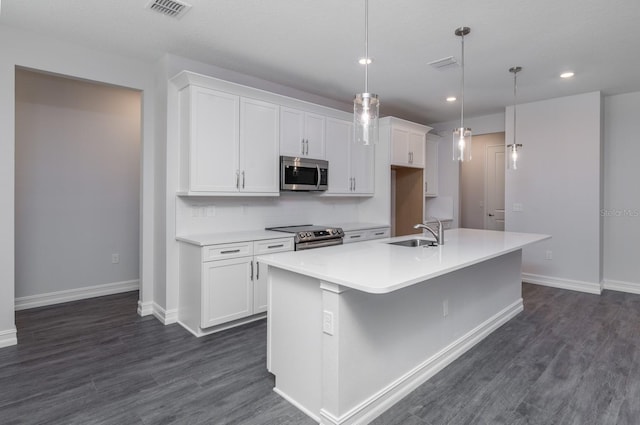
pixel 440 232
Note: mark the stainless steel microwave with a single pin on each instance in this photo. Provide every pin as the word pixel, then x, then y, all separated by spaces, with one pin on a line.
pixel 303 174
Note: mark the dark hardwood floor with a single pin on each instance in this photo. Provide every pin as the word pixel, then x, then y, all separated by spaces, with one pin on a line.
pixel 569 358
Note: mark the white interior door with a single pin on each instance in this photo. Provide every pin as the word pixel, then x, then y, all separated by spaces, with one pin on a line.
pixel 494 188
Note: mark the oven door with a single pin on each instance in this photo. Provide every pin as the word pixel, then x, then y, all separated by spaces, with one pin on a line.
pixel 302 174
pixel 318 244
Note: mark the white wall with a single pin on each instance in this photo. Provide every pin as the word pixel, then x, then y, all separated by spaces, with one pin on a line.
pixel 621 213
pixel 485 124
pixel 558 184
pixel 77 185
pixel 19 48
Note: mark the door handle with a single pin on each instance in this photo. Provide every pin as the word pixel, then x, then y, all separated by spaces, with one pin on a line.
pixel 318 170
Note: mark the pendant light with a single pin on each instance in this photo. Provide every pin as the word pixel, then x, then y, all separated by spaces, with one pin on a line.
pixel 366 106
pixel 462 135
pixel 512 148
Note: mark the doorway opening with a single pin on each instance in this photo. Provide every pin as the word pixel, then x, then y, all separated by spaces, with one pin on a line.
pixel 482 184
pixel 77 189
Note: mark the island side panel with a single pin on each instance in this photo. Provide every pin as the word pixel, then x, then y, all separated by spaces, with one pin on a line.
pixel 295 340
pixel 389 344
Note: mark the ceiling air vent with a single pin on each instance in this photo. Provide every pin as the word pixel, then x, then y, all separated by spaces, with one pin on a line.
pixel 444 62
pixel 172 8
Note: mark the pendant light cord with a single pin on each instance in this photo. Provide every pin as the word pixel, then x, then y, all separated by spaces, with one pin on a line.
pixel 515 103
pixel 366 46
pixel 462 94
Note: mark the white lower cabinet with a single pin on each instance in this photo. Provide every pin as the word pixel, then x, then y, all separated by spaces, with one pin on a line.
pixel 224 285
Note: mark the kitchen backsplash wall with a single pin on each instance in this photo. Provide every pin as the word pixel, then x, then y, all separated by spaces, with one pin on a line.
pixel 212 215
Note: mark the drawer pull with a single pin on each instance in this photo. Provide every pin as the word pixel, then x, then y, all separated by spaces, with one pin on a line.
pixel 379 233
pixel 276 246
pixel 355 236
pixel 231 251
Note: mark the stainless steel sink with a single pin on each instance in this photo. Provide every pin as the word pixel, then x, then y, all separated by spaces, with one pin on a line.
pixel 415 243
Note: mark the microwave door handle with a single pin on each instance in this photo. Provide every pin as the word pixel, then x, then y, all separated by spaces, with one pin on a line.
pixel 318 183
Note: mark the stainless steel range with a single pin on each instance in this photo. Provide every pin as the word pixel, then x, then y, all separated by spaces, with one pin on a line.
pixel 308 236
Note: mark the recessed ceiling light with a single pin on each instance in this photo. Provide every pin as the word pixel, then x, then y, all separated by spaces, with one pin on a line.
pixel 567 74
pixel 365 61
pixel 451 99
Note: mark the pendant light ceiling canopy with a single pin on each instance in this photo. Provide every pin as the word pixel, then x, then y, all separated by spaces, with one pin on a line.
pixel 514 146
pixel 462 135
pixel 366 105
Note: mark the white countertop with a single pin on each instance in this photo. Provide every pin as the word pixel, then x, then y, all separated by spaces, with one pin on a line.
pixel 377 267
pixel 232 237
pixel 352 227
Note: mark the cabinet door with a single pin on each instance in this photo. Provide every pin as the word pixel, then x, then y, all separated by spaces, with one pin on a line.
pixel 338 149
pixel 260 282
pixel 399 146
pixel 431 168
pixel 259 131
pixel 292 137
pixel 314 135
pixel 227 291
pixel 362 168
pixel 416 149
pixel 214 139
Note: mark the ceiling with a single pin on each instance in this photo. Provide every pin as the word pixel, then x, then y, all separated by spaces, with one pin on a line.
pixel 314 45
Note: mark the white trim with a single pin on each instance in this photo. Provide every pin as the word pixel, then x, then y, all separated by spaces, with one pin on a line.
pixel 167 317
pixel 40 300
pixel 298 405
pixel 145 309
pixel 8 337
pixel 618 285
pixel 223 326
pixel 556 282
pixel 378 403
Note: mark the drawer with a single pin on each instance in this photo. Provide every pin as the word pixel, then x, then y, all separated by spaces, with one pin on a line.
pixel 227 250
pixel 355 236
pixel 272 245
pixel 378 233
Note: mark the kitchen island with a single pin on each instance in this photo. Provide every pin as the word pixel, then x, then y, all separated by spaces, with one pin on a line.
pixel 354 328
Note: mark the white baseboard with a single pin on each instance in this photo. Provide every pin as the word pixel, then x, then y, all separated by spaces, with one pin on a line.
pixel 8 337
pixel 555 282
pixel 145 309
pixel 58 297
pixel 618 285
pixel 167 317
pixel 378 403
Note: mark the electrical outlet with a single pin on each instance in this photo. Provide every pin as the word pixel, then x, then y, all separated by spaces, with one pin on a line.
pixel 548 255
pixel 115 258
pixel 445 308
pixel 327 322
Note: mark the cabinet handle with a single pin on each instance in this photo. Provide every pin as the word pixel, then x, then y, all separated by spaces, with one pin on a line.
pixel 354 236
pixel 307 143
pixel 354 184
pixel 275 246
pixel 302 147
pixel 243 179
pixel 230 251
pixel 257 270
pixel 252 270
pixel 379 233
pixel 237 179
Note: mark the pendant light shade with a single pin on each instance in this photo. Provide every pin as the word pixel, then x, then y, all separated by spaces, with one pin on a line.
pixel 461 145
pixel 514 146
pixel 366 106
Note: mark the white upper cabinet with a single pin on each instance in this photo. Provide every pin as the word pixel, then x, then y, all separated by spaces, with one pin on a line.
pixel 351 166
pixel 407 142
pixel 302 134
pixel 210 140
pixel 431 166
pixel 229 144
pixel 259 146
